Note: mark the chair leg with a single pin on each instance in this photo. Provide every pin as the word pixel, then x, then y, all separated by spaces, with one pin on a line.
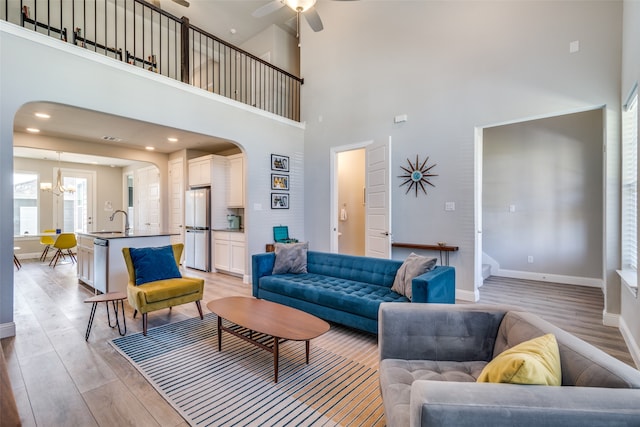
pixel 55 258
pixel 135 312
pixel 45 252
pixel 199 309
pixel 144 324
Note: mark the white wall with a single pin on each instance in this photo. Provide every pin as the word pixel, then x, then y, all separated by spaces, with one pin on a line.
pixel 36 67
pixel 280 47
pixel 451 67
pixel 551 172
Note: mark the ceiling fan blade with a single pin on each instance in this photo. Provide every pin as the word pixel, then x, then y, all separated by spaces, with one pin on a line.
pixel 268 8
pixel 184 3
pixel 313 19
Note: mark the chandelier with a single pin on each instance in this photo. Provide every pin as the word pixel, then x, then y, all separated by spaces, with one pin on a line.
pixel 58 189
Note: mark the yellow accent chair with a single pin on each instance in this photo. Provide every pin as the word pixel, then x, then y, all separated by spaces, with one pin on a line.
pixel 47 241
pixel 163 293
pixel 64 243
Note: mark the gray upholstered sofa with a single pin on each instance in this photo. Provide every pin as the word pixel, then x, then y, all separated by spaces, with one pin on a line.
pixel 431 355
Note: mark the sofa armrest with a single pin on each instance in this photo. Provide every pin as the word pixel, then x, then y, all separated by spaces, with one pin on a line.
pixel 441 403
pixel 261 265
pixel 435 286
pixel 460 332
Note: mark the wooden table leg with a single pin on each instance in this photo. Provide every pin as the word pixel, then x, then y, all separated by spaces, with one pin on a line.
pixel 219 333
pixel 307 345
pixel 275 357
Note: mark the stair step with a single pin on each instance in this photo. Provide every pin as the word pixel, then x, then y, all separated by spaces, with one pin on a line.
pixel 486 271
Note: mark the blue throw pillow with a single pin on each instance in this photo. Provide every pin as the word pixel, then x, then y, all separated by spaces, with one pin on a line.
pixel 151 264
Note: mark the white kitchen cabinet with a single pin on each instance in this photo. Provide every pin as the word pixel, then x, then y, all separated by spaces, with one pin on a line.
pixel 85 259
pixel 235 198
pixel 200 171
pixel 229 251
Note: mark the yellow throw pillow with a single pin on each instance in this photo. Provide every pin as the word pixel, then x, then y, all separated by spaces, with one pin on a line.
pixel 535 362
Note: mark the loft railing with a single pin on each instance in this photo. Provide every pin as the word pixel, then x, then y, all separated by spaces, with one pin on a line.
pixel 146 36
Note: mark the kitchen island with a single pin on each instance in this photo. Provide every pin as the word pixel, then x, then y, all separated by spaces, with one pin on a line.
pixel 100 261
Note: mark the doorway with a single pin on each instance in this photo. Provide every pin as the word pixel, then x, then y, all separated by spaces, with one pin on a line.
pixel 539 197
pixel 374 196
pixel 74 211
pixel 350 166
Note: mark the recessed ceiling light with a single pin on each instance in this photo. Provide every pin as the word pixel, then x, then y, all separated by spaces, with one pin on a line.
pixel 33 130
pixel 150 148
pixel 172 139
pixel 42 115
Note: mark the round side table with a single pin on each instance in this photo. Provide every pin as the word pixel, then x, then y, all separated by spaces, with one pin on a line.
pixel 116 298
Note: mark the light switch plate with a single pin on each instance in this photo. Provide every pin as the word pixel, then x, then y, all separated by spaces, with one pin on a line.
pixel 450 206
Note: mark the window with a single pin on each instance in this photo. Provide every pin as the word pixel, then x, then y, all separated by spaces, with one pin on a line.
pixel 25 203
pixel 630 183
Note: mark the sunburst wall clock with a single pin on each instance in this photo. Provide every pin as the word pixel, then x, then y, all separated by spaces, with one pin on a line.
pixel 417 175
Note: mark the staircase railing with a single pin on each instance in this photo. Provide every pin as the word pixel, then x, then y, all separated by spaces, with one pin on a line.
pixel 146 36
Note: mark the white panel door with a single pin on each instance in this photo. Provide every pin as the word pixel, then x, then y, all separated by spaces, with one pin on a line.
pixel 148 200
pixel 74 211
pixel 176 200
pixel 378 199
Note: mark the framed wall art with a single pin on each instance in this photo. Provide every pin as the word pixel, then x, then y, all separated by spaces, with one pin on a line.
pixel 279 182
pixel 279 201
pixel 279 163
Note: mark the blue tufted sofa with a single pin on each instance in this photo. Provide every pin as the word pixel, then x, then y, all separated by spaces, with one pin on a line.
pixel 346 289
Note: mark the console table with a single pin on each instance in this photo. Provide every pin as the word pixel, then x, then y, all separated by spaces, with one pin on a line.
pixel 441 248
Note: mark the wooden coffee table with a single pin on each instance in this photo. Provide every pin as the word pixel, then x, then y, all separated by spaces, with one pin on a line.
pixel 280 322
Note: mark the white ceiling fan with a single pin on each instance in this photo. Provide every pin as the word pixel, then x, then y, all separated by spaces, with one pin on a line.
pixel 304 7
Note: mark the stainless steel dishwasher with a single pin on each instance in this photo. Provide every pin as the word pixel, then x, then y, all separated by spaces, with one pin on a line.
pixel 100 264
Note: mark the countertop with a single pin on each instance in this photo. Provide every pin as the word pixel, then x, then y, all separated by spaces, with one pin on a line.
pixel 230 230
pixel 121 235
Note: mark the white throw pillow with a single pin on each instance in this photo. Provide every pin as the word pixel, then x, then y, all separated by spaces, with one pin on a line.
pixel 413 266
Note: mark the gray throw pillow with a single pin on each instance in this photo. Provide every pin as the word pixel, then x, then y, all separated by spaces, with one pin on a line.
pixel 290 258
pixel 413 266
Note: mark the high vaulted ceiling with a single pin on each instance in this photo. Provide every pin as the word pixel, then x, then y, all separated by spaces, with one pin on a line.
pixel 231 20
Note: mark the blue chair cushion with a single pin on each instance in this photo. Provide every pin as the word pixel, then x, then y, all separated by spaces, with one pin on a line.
pixel 341 294
pixel 152 264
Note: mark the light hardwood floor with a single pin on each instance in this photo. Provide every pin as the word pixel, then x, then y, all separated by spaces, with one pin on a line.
pixel 61 380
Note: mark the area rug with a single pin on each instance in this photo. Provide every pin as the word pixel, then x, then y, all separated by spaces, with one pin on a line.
pixel 235 387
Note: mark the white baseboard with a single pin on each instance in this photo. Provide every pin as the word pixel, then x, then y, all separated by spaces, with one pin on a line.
pixel 33 255
pixel 7 330
pixel 555 278
pixel 632 344
pixel 467 295
pixel 609 319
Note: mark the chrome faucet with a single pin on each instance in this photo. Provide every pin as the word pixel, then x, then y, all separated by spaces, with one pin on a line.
pixel 126 220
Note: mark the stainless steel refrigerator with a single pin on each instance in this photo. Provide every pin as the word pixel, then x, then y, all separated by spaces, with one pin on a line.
pixel 198 229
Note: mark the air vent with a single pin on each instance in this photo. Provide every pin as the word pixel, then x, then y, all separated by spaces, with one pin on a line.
pixel 111 138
